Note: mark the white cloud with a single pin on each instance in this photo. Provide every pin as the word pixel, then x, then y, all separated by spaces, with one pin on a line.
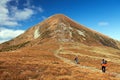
pixel 29 5
pixel 23 14
pixel 7 34
pixel 43 17
pixel 11 15
pixel 4 14
pixel 103 23
pixel 40 9
pixel 10 23
pixel 3 2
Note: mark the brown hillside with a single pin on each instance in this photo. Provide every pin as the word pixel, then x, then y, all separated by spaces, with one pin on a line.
pixel 62 29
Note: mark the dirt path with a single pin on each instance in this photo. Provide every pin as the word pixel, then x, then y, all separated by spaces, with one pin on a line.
pixel 57 52
pixel 72 62
pixel 109 57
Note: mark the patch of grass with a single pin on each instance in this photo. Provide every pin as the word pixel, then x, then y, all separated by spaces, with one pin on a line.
pixel 55 62
pixel 45 34
pixel 14 47
pixel 106 42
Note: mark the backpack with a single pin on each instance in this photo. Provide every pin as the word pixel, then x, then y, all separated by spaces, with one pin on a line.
pixel 105 62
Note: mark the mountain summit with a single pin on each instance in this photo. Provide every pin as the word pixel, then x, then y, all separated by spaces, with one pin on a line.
pixel 60 29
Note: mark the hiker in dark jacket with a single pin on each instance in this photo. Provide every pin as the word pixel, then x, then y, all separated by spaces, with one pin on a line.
pixel 76 59
pixel 104 64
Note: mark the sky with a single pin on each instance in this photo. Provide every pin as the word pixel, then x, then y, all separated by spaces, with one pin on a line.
pixel 16 16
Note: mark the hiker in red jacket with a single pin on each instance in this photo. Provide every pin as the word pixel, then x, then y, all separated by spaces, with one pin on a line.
pixel 104 64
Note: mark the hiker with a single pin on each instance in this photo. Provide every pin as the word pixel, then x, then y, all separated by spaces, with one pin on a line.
pixel 104 64
pixel 76 59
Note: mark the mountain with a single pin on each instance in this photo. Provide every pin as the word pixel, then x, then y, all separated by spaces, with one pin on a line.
pixel 59 28
pixel 47 50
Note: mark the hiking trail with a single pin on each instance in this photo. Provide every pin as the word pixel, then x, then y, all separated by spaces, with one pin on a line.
pixel 57 52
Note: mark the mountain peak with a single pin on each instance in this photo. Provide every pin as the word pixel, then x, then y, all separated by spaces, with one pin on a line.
pixel 59 15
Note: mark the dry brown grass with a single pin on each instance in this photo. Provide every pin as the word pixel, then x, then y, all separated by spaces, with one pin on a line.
pixel 39 63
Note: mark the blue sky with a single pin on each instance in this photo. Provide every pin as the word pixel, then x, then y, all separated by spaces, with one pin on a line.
pixel 16 16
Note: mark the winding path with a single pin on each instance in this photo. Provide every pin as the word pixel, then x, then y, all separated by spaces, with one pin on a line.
pixel 57 52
